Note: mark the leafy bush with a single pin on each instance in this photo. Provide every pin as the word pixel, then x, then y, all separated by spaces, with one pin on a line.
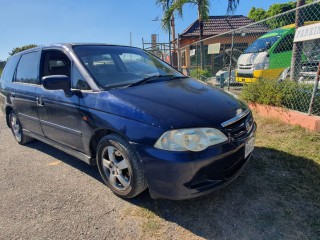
pixel 287 94
pixel 199 73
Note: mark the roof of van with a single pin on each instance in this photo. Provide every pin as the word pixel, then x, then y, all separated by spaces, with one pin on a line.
pixel 68 45
pixel 282 30
pixel 293 25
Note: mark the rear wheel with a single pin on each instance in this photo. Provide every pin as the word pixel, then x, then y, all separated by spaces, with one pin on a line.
pixel 17 131
pixel 120 167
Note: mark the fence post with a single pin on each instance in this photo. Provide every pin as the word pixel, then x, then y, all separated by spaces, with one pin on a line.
pixel 297 46
pixel 230 63
pixel 315 88
pixel 179 53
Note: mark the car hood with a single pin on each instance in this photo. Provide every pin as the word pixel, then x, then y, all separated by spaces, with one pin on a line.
pixel 180 103
pixel 252 58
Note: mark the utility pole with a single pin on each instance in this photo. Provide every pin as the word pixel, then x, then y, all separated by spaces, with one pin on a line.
pixel 169 29
pixel 230 63
pixel 174 50
pixel 131 39
pixel 173 33
pixel 297 46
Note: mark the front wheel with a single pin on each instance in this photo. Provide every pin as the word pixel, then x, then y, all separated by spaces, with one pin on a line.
pixel 120 167
pixel 17 131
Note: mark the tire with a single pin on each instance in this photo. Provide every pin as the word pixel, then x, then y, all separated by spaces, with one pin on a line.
pixel 17 131
pixel 120 167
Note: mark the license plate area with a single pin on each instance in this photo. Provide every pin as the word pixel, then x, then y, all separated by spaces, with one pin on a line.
pixel 249 147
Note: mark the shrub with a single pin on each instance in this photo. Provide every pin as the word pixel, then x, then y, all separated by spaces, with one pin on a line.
pixel 199 73
pixel 287 94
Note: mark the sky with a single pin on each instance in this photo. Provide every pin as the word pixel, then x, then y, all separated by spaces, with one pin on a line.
pixel 43 22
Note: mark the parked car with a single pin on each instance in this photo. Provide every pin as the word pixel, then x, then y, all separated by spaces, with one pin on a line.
pixel 144 124
pixel 309 67
pixel 307 74
pixel 268 56
pixel 222 77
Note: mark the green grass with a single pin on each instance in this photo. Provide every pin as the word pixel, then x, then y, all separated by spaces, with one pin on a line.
pixel 278 196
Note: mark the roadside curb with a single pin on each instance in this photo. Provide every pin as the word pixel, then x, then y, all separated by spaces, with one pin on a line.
pixel 288 116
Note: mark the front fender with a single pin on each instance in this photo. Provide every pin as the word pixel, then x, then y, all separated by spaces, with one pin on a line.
pixel 133 131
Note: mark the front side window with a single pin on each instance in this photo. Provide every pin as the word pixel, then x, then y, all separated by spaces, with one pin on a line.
pixel 116 66
pixel 27 71
pixel 55 62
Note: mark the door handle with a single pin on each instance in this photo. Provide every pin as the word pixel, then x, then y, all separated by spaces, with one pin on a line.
pixel 40 102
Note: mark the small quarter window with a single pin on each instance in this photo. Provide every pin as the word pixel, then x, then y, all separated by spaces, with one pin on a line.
pixel 78 81
pixel 27 71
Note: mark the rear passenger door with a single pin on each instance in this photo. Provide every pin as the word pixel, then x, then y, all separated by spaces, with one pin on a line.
pixel 25 84
pixel 59 112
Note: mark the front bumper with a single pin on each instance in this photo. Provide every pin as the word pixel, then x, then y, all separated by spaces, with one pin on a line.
pixel 270 74
pixel 183 175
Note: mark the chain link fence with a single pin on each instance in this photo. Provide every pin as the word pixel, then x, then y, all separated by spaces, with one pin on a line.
pixel 261 61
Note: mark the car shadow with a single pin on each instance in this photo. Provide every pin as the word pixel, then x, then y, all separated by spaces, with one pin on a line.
pixel 277 197
pixel 92 171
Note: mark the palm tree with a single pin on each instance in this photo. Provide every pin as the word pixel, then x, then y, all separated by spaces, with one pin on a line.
pixel 165 4
pixel 203 7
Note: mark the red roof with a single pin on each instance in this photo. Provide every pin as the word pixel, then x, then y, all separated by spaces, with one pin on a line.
pixel 216 25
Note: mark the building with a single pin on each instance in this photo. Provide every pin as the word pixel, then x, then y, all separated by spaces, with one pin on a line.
pixel 218 30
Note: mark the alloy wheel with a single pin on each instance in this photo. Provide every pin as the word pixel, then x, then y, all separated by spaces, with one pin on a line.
pixel 116 168
pixel 15 126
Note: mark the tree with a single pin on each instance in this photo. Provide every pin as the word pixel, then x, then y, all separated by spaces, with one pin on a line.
pixel 165 4
pixel 310 14
pixel 2 64
pixel 20 49
pixel 203 7
pixel 257 14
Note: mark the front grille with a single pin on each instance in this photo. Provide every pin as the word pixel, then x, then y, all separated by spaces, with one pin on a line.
pixel 240 127
pixel 245 75
pixel 217 172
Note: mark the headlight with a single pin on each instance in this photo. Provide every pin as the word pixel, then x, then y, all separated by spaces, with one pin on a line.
pixel 195 139
pixel 262 66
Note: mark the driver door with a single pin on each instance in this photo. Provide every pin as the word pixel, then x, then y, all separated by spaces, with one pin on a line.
pixel 59 113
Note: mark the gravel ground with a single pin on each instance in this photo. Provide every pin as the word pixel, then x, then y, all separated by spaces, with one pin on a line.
pixel 47 194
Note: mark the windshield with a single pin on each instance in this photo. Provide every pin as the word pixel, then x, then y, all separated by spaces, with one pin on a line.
pixel 262 44
pixel 117 66
pixel 312 49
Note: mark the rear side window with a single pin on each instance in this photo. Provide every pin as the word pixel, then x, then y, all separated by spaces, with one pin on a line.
pixel 28 71
pixel 7 75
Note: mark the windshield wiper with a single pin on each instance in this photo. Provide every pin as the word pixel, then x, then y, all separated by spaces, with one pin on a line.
pixel 147 79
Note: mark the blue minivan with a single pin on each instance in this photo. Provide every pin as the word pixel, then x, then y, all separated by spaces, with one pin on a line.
pixel 143 123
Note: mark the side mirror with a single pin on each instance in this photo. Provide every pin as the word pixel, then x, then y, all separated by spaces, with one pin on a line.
pixel 57 82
